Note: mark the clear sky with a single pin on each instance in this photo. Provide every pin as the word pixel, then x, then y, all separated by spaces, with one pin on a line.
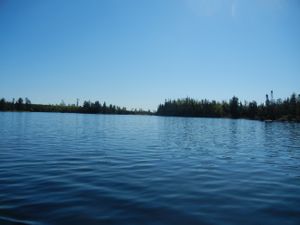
pixel 137 53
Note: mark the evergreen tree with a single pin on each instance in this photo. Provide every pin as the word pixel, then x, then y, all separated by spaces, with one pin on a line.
pixel 234 107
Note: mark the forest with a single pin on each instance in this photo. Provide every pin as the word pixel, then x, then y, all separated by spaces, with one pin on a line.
pixel 282 110
pixel 25 105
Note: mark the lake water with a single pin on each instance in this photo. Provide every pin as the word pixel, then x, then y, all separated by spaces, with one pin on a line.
pixel 108 169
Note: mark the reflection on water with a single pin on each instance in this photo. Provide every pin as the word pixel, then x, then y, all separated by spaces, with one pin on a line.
pixel 105 169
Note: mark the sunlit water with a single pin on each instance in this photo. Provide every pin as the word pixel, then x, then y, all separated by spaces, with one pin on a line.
pixel 108 169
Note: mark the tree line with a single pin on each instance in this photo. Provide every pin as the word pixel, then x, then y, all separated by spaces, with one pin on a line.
pixel 286 110
pixel 25 105
pixel 281 109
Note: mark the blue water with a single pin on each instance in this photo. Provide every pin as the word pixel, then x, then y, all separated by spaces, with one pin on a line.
pixel 109 169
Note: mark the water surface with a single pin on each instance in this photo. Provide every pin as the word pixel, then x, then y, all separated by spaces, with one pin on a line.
pixel 108 169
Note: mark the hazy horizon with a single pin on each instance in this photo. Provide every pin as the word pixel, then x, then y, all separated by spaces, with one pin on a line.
pixel 138 53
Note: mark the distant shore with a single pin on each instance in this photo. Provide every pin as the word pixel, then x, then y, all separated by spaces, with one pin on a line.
pixel 87 108
pixel 272 110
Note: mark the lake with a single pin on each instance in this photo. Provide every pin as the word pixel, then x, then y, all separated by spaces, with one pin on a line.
pixel 115 169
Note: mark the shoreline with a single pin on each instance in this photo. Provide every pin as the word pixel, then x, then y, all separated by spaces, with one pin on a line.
pixel 281 120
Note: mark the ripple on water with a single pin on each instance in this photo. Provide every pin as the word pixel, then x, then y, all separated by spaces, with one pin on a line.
pixel 99 169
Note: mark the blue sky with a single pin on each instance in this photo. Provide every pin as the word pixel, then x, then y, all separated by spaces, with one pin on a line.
pixel 136 53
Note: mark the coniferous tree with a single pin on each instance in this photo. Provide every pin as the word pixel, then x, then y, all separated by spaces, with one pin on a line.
pixel 2 104
pixel 234 107
pixel 19 104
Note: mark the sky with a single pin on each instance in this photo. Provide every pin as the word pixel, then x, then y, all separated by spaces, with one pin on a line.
pixel 137 53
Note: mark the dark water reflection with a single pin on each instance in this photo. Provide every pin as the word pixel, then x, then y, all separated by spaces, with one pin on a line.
pixel 98 169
